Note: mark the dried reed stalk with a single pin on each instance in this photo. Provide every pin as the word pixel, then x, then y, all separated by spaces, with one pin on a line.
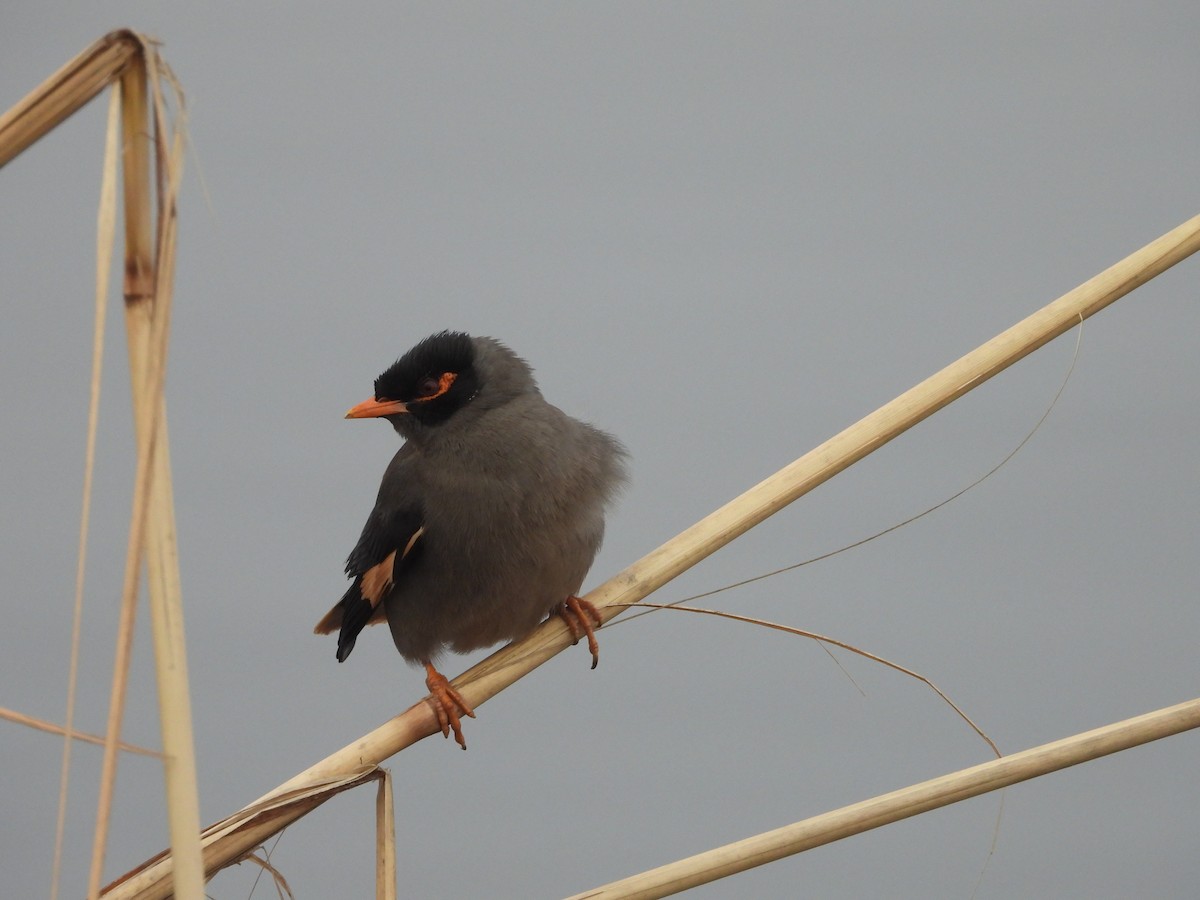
pixel 489 677
pixel 42 725
pixel 910 801
pixel 130 63
pixel 66 91
pixel 385 840
pixel 106 227
pixel 139 265
pixel 162 557
pixel 150 236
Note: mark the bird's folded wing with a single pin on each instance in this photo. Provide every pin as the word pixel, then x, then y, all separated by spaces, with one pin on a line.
pixel 389 543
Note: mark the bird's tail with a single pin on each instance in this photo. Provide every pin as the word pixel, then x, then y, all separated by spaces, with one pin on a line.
pixel 350 616
pixel 360 606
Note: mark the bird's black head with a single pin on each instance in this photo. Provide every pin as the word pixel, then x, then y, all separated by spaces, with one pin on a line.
pixel 444 374
pixel 432 381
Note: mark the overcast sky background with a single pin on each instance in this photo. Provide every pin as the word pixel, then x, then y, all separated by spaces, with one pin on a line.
pixel 723 232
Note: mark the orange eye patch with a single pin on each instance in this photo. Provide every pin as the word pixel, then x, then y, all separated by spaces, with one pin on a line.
pixel 431 389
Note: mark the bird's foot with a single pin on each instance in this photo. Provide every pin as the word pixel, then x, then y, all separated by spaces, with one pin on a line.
pixel 582 618
pixel 447 703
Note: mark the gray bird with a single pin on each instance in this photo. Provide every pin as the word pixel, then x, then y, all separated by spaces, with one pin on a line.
pixel 488 518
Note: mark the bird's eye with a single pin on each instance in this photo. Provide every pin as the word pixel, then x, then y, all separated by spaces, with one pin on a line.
pixel 428 387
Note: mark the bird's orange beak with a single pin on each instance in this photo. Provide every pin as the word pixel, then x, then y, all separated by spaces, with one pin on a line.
pixel 375 408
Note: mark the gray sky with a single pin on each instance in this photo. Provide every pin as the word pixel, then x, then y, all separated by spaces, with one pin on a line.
pixel 723 232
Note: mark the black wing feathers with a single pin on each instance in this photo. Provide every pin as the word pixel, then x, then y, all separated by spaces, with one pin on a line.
pixel 383 542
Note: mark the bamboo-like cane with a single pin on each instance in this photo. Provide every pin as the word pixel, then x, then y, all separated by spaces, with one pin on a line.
pixel 910 801
pixel 487 678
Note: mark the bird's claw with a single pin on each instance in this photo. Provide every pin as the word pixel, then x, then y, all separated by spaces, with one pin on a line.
pixel 582 618
pixel 447 704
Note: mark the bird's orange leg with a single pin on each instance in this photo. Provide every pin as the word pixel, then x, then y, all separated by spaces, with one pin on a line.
pixel 582 618
pixel 447 703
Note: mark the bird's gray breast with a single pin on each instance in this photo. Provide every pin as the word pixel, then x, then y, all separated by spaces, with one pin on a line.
pixel 513 520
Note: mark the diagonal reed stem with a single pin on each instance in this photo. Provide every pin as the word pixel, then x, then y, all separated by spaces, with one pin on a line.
pixel 910 801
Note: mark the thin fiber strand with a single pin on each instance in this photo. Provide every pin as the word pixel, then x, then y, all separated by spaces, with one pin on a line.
pixel 825 639
pixel 653 608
